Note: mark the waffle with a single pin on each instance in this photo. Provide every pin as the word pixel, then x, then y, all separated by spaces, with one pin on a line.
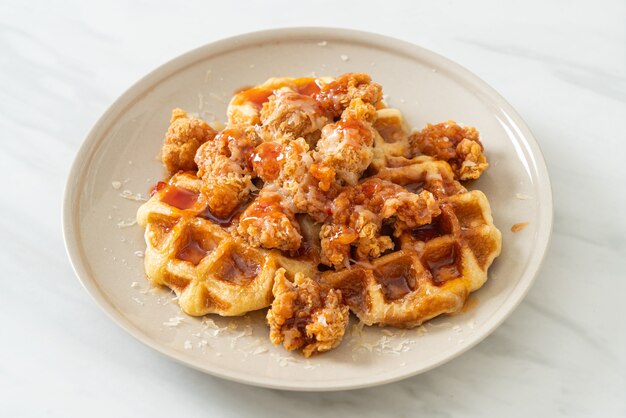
pixel 438 264
pixel 245 107
pixel 210 269
pixel 391 139
pixel 340 212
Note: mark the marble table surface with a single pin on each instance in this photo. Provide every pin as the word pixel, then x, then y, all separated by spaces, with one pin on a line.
pixel 561 64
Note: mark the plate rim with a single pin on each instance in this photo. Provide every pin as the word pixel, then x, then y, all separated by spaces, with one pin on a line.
pixel 85 153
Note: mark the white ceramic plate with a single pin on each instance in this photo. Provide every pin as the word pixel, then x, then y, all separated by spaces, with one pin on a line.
pixel 105 247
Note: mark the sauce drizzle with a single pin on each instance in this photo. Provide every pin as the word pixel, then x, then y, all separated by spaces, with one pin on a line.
pixel 179 198
pixel 192 252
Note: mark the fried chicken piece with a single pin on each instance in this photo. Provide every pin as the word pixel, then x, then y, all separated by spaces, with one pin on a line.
pixel 337 95
pixel 290 115
pixel 459 146
pixel 286 168
pixel 297 183
pixel 358 216
pixel 335 243
pixel 225 193
pixel 289 167
pixel 267 223
pixel 183 138
pixel 325 175
pixel 346 146
pixel 268 160
pixel 224 164
pixel 473 160
pixel 305 315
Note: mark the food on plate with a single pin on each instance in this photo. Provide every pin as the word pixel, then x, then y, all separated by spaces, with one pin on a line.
pixel 306 315
pixel 315 200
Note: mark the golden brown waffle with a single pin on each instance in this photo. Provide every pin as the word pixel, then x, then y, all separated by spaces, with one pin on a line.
pixel 210 269
pixel 437 265
pixel 396 266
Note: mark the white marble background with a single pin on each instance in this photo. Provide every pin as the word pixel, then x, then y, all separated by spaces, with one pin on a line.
pixel 562 64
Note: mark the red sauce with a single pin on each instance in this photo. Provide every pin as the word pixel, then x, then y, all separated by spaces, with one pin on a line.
pixel 395 287
pixel 426 232
pixel 363 136
pixel 259 95
pixel 370 188
pixel 227 220
pixel 236 268
pixel 351 123
pixel 179 197
pixel 268 160
pixel 328 96
pixel 444 266
pixel 307 86
pixel 267 206
pixel 353 289
pixel 518 227
pixel 396 279
pixel 159 186
pixel 221 221
pixel 236 138
pixel 256 95
pixel 192 252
